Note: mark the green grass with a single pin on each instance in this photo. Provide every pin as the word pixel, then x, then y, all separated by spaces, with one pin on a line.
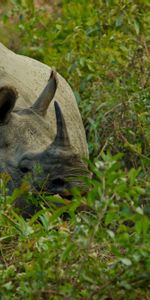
pixel 102 250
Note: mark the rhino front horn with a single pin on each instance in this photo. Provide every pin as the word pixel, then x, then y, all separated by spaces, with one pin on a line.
pixel 62 138
pixel 42 103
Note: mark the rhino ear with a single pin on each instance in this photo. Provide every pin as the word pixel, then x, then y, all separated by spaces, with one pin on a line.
pixel 43 101
pixel 62 138
pixel 8 96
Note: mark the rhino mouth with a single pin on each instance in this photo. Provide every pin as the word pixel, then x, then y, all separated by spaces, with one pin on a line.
pixel 65 188
pixel 28 207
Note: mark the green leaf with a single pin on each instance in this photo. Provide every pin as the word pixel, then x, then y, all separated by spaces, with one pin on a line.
pixel 142 225
pixel 139 210
pixel 111 233
pixel 137 27
pixel 67 251
pixel 126 261
pixel 119 20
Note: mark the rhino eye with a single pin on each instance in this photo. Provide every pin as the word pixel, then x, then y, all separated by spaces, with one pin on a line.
pixel 24 169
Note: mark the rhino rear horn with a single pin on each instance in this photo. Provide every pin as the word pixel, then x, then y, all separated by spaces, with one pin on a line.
pixel 62 138
pixel 45 98
pixel 8 96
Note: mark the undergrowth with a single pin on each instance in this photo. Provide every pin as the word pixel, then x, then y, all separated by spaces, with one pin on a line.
pixel 94 247
pixel 101 251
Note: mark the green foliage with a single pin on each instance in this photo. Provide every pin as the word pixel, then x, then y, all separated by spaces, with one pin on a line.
pixel 101 47
pixel 102 250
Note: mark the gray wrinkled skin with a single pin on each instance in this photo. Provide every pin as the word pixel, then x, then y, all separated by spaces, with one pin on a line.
pixel 40 125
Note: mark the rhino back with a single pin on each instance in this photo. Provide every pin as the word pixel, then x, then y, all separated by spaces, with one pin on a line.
pixel 29 77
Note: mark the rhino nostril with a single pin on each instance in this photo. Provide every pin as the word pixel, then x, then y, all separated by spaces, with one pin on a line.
pixel 60 182
pixel 25 165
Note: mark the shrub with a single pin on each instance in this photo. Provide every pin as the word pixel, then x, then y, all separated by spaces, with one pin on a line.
pixel 102 250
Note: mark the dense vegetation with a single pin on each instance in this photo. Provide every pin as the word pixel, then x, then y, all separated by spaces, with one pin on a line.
pixel 102 251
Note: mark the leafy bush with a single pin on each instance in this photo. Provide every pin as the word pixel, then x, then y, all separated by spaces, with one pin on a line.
pixel 102 49
pixel 102 250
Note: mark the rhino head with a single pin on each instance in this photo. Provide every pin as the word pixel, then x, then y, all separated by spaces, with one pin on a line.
pixel 25 144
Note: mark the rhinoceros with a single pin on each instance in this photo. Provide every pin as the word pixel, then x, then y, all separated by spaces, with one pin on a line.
pixel 40 124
